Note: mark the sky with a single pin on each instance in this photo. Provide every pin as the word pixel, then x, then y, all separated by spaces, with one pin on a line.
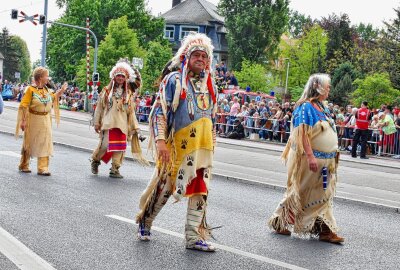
pixel 358 11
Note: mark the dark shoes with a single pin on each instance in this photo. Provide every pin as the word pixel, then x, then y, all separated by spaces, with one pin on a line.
pixel 45 173
pixel 330 237
pixel 114 172
pixel 95 166
pixel 283 232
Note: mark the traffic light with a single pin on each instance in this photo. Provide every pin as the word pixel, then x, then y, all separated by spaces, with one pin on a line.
pixel 14 14
pixel 95 77
pixel 42 19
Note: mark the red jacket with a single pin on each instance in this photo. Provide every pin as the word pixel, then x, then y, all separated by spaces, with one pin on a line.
pixel 362 121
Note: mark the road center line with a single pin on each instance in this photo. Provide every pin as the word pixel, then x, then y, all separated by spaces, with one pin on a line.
pixel 21 255
pixel 222 247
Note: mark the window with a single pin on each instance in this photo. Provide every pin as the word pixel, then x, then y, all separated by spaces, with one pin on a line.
pixel 186 29
pixel 169 32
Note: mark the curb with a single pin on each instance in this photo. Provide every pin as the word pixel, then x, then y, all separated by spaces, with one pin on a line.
pixel 247 181
pixel 246 146
pixel 341 153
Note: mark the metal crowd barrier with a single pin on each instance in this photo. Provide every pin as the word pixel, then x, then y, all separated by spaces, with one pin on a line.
pixel 142 113
pixel 378 143
pixel 274 134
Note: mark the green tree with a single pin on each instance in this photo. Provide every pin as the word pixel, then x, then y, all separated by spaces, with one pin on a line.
pixel 24 60
pixel 67 46
pixel 373 59
pixel 298 23
pixel 344 88
pixel 296 92
pixel 254 28
pixel 157 56
pixel 36 64
pixel 253 75
pixel 391 44
pixel 11 55
pixel 366 32
pixel 340 43
pixel 343 69
pixel 305 55
pixel 120 42
pixel 376 89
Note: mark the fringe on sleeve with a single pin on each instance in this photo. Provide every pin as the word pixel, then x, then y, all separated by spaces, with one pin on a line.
pixel 22 114
pixel 23 110
pixel 56 108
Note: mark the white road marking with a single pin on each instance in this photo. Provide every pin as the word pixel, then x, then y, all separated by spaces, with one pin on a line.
pixel 221 247
pixel 369 197
pixel 21 255
pixel 10 154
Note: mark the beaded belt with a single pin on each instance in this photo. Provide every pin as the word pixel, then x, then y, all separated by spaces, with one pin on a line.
pixel 324 155
pixel 37 113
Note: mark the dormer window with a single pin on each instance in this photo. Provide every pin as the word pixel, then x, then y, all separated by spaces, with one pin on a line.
pixel 186 29
pixel 169 32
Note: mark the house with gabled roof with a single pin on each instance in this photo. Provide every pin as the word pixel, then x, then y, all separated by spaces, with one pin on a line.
pixel 197 16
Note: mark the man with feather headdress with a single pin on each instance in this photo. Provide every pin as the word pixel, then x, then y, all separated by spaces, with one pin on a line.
pixel 182 127
pixel 115 119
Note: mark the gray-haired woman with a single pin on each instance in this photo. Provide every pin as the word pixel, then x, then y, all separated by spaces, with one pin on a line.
pixel 312 159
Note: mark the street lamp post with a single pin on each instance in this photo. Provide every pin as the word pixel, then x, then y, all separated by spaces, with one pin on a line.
pixel 95 76
pixel 287 75
pixel 286 80
pixel 44 37
pixel 84 29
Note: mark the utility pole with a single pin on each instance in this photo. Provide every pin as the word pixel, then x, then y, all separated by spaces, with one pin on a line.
pixel 44 36
pixel 287 75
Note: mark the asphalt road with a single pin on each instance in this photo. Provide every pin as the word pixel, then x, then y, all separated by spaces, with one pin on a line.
pixel 64 220
pixel 374 181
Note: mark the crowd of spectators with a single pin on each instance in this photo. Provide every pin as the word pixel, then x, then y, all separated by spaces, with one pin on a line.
pixel 72 99
pixel 12 90
pixel 224 79
pixel 143 106
pixel 269 120
pixel 260 118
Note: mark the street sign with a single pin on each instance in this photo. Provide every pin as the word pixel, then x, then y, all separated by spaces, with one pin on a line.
pixel 24 17
pixel 137 62
pixel 17 75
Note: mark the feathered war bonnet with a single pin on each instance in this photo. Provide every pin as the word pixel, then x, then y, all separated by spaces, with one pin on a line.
pixel 194 42
pixel 132 76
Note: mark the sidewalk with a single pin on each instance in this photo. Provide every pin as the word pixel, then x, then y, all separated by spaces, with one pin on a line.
pixel 278 147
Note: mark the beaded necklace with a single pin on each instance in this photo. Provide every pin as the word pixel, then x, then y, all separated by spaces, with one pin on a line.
pixel 42 95
pixel 327 114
